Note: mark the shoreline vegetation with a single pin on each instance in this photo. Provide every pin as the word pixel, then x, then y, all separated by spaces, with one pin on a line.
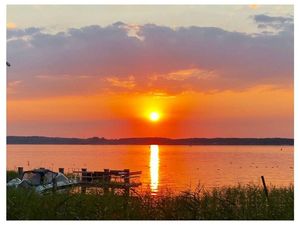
pixel 148 141
pixel 240 202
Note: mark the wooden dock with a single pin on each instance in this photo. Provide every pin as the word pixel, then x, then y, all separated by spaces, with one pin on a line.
pixel 108 180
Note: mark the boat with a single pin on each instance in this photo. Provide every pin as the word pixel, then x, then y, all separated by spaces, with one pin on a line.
pixel 42 180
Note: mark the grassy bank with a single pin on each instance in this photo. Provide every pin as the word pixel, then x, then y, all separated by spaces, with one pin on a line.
pixel 240 202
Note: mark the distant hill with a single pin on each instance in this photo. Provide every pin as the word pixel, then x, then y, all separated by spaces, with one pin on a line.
pixel 148 141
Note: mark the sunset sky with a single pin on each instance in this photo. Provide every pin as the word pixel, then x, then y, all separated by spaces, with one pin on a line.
pixel 204 71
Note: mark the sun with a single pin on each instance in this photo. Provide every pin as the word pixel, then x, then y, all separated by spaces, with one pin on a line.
pixel 154 116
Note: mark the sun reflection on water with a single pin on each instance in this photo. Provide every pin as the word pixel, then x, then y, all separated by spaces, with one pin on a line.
pixel 154 168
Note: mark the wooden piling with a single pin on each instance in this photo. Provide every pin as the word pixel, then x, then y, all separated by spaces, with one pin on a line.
pixel 61 170
pixel 265 187
pixel 20 172
pixel 107 178
pixel 83 174
pixel 127 181
pixel 83 179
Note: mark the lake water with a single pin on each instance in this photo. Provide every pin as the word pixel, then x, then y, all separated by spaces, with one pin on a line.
pixel 173 167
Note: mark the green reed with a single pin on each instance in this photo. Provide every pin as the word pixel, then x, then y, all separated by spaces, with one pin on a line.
pixel 247 202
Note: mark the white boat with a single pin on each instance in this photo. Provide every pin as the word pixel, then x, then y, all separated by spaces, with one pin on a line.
pixel 42 180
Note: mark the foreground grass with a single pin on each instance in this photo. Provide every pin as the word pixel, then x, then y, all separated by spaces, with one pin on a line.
pixel 228 203
pixel 10 174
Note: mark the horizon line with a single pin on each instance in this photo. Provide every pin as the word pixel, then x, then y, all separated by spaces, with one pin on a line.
pixel 217 137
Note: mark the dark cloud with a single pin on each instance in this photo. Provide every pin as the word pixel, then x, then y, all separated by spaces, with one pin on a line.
pixel 150 58
pixel 275 22
pixel 261 18
pixel 22 32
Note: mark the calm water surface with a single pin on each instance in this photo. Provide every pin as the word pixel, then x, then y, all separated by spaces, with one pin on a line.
pixel 173 167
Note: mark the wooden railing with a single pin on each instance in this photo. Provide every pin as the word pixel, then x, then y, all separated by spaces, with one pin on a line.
pixel 107 178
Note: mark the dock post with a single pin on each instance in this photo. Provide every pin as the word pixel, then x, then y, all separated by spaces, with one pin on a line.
pixel 54 183
pixel 83 179
pixel 106 180
pixel 20 172
pixel 83 174
pixel 265 187
pixel 61 170
pixel 127 181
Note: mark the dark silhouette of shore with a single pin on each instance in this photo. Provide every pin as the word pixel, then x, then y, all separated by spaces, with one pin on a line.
pixel 148 141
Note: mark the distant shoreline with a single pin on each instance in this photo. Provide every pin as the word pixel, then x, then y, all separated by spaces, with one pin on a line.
pixel 40 140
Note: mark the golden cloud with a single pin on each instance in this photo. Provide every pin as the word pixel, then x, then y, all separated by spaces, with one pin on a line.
pixel 11 25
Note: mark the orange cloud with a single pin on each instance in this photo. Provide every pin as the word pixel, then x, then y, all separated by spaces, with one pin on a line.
pixel 11 25
pixel 181 75
pixel 126 83
pixel 253 6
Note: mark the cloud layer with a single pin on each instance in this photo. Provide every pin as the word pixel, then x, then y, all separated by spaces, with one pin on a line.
pixel 143 58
